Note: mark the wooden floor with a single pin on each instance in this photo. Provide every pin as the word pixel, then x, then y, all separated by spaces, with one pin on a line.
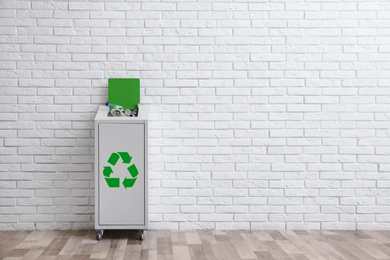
pixel 197 245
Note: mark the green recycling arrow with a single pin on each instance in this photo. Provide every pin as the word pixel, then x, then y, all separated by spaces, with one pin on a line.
pixel 107 171
pixel 126 158
pixel 114 157
pixel 128 182
pixel 113 182
pixel 132 169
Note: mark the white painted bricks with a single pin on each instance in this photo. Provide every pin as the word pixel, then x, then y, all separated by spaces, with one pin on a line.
pixel 265 115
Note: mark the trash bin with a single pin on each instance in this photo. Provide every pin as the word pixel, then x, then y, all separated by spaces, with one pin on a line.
pixel 121 172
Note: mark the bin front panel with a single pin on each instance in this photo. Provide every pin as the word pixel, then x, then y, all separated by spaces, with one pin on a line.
pixel 121 195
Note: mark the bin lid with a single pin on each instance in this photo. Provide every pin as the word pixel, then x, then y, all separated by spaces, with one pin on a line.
pixel 124 92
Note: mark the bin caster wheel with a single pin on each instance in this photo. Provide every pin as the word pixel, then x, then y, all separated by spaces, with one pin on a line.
pixel 142 234
pixel 99 235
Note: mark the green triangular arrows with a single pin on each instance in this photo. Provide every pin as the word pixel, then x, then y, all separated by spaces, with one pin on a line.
pixel 128 182
pixel 126 158
pixel 113 182
pixel 133 171
pixel 114 157
pixel 107 170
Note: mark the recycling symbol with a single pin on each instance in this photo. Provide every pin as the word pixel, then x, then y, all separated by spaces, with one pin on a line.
pixel 116 182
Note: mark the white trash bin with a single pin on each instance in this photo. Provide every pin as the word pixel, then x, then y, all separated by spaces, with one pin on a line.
pixel 121 172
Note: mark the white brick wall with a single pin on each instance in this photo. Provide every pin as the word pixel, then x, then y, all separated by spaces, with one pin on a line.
pixel 266 114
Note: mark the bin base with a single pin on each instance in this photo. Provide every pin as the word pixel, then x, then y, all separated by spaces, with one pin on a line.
pixel 100 232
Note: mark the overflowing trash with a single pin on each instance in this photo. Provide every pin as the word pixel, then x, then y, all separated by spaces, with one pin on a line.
pixel 118 111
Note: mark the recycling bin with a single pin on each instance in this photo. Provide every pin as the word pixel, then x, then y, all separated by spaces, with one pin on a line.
pixel 121 172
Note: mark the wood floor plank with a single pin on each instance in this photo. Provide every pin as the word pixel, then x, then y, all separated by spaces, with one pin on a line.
pixel 228 250
pixel 47 257
pixel 164 246
pixel 348 251
pixel 263 255
pixel 18 252
pixel 298 257
pixel 133 252
pixel 276 235
pixel 144 254
pixel 55 246
pixel 9 240
pixel 366 245
pixel 325 250
pixel 384 248
pixel 288 247
pixel 120 250
pixel 362 235
pixel 242 248
pixel 178 238
pixel 212 251
pixel 197 252
pixel 193 238
pixel 252 240
pixel 378 236
pixel 101 249
pixel 275 250
pixel 207 237
pixel 263 236
pixel 85 249
pixel 33 254
pixel 71 246
pixel 181 252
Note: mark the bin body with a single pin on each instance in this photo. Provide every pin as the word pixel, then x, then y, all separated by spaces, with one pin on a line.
pixel 121 172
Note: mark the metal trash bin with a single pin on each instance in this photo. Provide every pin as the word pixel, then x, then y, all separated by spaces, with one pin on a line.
pixel 121 172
